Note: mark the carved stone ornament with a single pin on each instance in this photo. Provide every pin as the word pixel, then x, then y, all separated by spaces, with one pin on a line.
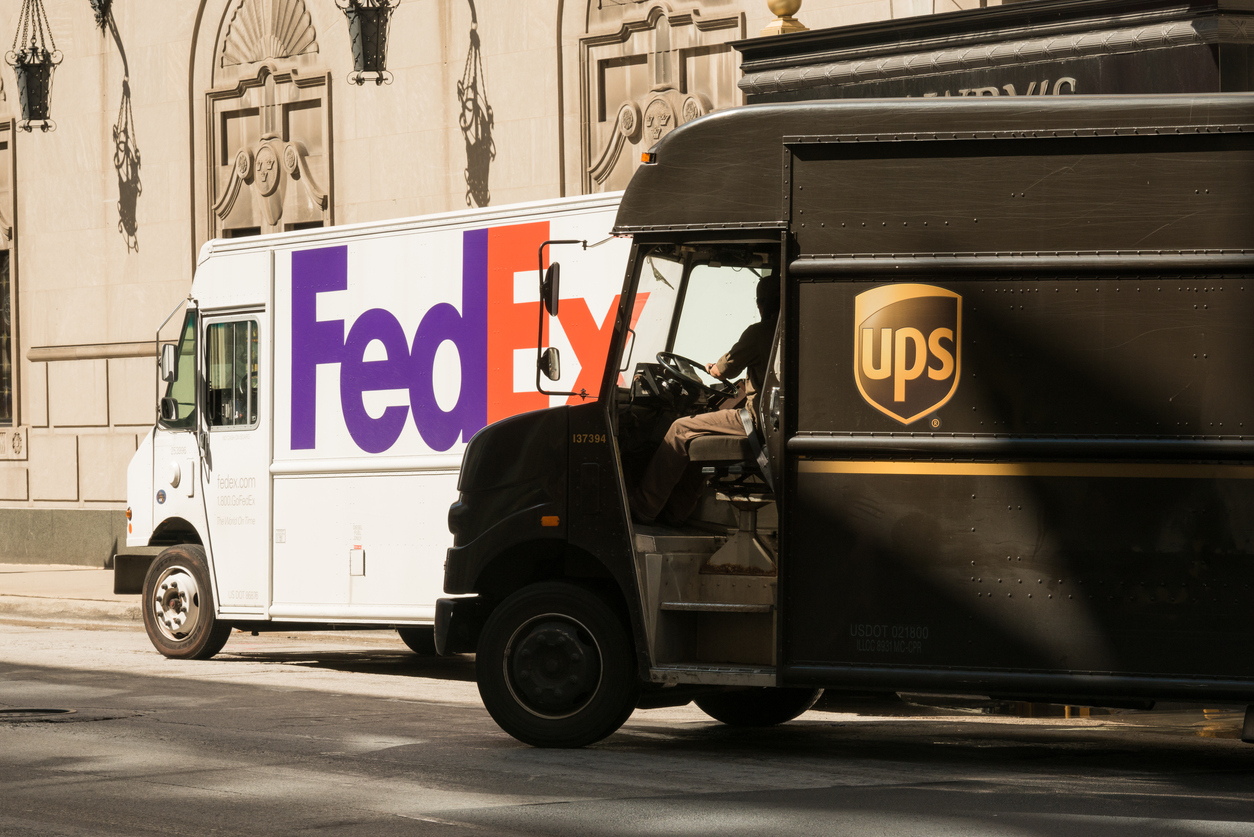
pixel 626 129
pixel 663 111
pixel 14 443
pixel 659 118
pixel 261 29
pixel 267 170
pixel 267 178
pixel 646 68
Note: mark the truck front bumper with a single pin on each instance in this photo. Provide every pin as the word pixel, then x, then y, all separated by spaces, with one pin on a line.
pixel 458 623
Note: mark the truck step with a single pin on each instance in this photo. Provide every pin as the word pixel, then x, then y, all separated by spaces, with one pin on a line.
pixel 713 675
pixel 665 541
pixel 717 607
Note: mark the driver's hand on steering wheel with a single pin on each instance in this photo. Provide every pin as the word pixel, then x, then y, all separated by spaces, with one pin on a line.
pixel 711 369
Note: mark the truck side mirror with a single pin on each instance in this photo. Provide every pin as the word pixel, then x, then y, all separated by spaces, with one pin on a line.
pixel 549 290
pixel 167 362
pixel 169 408
pixel 551 363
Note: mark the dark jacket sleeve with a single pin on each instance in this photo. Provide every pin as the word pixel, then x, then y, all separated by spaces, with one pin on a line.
pixel 750 351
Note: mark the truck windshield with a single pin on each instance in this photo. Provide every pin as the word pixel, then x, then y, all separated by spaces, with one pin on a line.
pixel 660 278
pixel 719 302
pixel 700 298
pixel 182 387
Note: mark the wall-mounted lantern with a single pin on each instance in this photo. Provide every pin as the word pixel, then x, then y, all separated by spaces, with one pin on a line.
pixel 368 32
pixel 33 64
pixel 100 8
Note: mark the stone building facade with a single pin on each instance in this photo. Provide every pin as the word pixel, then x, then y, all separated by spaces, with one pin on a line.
pixel 177 121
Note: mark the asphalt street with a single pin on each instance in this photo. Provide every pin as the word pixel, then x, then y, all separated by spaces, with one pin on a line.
pixel 352 734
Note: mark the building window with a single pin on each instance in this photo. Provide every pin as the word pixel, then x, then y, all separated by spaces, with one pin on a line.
pixel 9 406
pixel 6 343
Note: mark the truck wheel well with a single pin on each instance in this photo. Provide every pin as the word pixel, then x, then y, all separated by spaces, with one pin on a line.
pixel 174 531
pixel 542 560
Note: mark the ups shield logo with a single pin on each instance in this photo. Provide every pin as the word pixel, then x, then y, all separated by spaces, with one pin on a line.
pixel 907 348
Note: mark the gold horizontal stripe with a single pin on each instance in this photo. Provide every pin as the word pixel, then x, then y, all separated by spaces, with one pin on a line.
pixel 1130 470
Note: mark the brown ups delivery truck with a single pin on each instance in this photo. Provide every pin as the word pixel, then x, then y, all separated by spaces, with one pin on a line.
pixel 998 447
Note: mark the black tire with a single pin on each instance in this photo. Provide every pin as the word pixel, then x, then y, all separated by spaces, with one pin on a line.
pixel 758 707
pixel 178 605
pixel 556 666
pixel 421 640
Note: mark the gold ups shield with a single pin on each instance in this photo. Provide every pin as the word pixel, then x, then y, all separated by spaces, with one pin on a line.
pixel 907 348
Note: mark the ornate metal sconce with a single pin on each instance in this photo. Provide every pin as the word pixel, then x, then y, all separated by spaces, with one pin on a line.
pixel 33 64
pixel 368 32
pixel 101 9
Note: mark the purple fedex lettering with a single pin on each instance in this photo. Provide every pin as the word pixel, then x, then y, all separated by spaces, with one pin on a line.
pixel 317 342
pixel 313 342
pixel 358 375
pixel 468 331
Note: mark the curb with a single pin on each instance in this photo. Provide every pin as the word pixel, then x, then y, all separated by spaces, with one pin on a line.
pixel 35 608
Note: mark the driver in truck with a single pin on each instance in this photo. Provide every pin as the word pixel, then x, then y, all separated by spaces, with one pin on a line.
pixel 671 486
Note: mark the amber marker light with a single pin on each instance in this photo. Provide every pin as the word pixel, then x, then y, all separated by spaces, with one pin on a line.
pixel 550 520
pixel 128 513
pixel 648 157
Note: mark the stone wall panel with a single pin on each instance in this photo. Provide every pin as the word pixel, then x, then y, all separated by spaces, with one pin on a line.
pixel 53 467
pixel 78 393
pixel 102 465
pixel 13 481
pixel 133 391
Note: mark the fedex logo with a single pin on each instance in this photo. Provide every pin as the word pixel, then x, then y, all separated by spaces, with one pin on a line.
pixel 486 331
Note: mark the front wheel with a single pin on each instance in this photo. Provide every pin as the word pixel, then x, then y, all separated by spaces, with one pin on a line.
pixel 758 707
pixel 555 666
pixel 178 605
pixel 421 640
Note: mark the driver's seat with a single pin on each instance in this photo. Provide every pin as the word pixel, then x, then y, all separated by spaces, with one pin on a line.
pixel 734 454
pixel 719 450
pixel 737 457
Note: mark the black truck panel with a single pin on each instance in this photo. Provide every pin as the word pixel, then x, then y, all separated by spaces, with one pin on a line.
pixel 1019 446
pixel 727 170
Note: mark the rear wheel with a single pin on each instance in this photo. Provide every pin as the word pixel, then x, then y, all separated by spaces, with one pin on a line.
pixel 758 707
pixel 421 640
pixel 178 605
pixel 555 666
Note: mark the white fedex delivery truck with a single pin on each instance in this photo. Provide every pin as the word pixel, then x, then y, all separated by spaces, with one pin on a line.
pixel 315 406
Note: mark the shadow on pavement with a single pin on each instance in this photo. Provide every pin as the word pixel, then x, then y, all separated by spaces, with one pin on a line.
pixel 373 655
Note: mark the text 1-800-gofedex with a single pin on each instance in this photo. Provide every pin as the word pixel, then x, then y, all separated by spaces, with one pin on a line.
pixel 486 331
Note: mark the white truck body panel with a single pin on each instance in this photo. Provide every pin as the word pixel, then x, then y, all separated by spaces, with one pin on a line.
pixel 380 350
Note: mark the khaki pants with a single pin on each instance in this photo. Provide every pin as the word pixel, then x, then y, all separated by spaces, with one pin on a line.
pixel 671 481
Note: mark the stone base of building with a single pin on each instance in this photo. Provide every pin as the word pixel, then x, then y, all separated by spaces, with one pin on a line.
pixel 88 537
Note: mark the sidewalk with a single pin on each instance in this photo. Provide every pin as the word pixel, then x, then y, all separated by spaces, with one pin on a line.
pixel 63 593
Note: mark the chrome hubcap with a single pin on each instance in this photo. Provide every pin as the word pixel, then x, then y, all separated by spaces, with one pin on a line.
pixel 176 603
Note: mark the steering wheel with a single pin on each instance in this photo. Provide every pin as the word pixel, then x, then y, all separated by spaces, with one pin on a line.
pixel 684 370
